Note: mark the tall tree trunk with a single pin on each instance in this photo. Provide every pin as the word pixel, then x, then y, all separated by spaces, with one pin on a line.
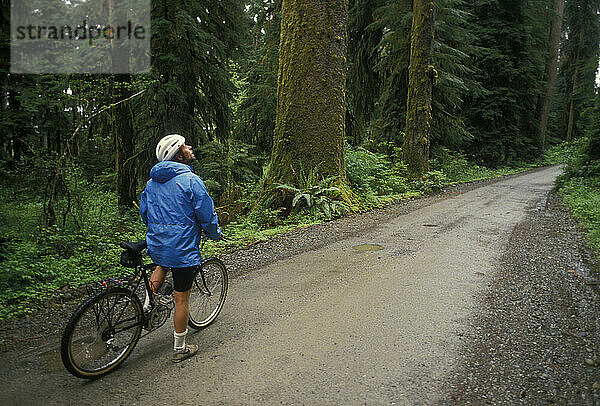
pixel 421 73
pixel 14 106
pixel 550 73
pixel 124 146
pixel 564 120
pixel 18 127
pixel 572 118
pixel 123 120
pixel 571 122
pixel 310 124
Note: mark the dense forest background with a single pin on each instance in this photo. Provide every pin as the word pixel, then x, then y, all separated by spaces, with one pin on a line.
pixel 511 82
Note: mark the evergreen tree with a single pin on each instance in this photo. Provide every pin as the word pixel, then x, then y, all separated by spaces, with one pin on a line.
pixel 550 71
pixel 4 77
pixel 455 78
pixel 454 75
pixel 124 137
pixel 192 46
pixel 421 74
pixel 257 107
pixel 364 81
pixel 394 19
pixel 592 130
pixel 123 131
pixel 309 132
pixel 510 65
pixel 580 61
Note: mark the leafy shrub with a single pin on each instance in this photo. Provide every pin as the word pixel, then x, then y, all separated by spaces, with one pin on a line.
pixel 224 166
pixel 578 163
pixel 372 174
pixel 38 260
pixel 432 181
pixel 317 200
pixel 458 168
pixel 557 154
pixel 579 185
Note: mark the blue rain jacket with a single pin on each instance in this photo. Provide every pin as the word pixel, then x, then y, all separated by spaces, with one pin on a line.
pixel 176 207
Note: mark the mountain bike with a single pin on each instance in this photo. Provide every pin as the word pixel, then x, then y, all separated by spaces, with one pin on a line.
pixel 105 328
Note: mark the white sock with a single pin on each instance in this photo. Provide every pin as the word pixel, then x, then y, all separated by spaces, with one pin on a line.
pixel 147 302
pixel 179 342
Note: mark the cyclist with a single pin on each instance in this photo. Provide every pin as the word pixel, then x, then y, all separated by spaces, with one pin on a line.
pixel 176 207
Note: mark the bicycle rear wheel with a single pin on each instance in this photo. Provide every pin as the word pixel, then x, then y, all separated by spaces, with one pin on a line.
pixel 102 333
pixel 206 304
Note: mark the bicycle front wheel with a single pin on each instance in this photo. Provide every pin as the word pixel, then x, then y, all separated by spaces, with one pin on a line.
pixel 207 297
pixel 102 333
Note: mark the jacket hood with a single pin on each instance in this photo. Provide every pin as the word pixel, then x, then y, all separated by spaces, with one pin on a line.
pixel 166 170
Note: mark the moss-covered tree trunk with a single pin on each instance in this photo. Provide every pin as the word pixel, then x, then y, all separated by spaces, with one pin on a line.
pixel 550 73
pixel 574 92
pixel 122 116
pixel 571 123
pixel 124 145
pixel 309 129
pixel 421 73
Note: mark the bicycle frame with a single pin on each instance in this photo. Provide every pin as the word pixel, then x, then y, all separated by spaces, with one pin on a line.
pixel 141 274
pixel 132 285
pixel 109 313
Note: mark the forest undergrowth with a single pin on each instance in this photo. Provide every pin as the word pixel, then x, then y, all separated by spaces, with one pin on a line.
pixel 39 261
pixel 579 187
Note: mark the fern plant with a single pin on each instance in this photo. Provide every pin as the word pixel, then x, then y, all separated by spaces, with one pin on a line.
pixel 318 196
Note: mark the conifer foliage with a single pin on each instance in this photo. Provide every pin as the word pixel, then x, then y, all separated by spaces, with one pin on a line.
pixel 257 93
pixel 580 54
pixel 509 67
pixel 192 46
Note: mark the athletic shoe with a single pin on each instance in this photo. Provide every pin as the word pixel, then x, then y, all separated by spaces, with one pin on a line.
pixel 189 351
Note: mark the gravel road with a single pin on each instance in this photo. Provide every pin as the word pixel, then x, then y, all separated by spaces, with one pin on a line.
pixel 481 294
pixel 536 339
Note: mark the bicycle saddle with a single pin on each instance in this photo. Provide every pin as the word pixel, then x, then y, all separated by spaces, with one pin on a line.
pixel 136 247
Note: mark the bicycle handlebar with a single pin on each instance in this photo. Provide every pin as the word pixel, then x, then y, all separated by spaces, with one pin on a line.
pixel 139 246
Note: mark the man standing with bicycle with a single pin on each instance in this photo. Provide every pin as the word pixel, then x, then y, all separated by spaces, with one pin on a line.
pixel 176 207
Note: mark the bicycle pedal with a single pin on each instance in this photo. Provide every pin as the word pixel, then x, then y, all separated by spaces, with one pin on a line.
pixel 165 300
pixel 166 289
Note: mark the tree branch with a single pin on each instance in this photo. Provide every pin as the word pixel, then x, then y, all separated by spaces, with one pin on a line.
pixel 57 173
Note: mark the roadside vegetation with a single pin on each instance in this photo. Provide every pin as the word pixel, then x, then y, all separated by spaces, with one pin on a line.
pixel 580 184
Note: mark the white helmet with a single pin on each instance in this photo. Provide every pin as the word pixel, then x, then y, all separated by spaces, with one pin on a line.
pixel 168 146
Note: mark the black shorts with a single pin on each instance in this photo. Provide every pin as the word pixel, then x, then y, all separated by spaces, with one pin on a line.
pixel 183 278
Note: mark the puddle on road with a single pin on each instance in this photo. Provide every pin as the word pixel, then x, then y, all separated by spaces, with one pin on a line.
pixel 367 247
